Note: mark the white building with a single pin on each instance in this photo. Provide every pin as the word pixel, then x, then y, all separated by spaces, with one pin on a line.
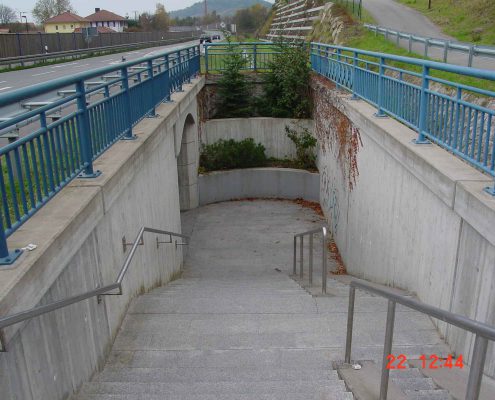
pixel 107 19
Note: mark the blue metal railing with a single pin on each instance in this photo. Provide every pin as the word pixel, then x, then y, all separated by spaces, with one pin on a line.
pixel 66 135
pixel 422 94
pixel 257 55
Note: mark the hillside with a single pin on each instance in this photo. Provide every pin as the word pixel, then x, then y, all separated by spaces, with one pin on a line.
pixel 222 7
pixel 466 20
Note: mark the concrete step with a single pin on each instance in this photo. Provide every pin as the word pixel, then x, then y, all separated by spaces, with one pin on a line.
pixel 237 374
pixel 414 384
pixel 406 373
pixel 249 358
pixel 214 388
pixel 223 396
pixel 437 394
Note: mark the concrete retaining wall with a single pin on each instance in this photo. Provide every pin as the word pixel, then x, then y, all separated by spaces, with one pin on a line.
pixel 282 183
pixel 79 237
pixel 270 132
pixel 417 219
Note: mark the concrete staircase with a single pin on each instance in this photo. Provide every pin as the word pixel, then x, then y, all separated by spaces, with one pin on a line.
pixel 416 386
pixel 236 327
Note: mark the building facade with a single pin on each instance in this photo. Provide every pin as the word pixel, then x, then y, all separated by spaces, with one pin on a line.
pixel 66 22
pixel 104 18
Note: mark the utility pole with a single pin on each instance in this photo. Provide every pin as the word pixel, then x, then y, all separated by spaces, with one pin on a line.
pixel 429 4
pixel 206 14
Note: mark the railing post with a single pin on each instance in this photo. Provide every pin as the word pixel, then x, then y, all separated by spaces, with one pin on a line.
pixel 301 256
pixel 427 42
pixel 350 322
pixel 410 43
pixel 152 113
pixel 6 257
pixel 381 73
pixel 85 133
pixel 423 107
pixel 446 51
pixel 255 52
pixel 294 270
pixel 389 335
pixel 354 75
pixel 189 66
pixel 206 58
pixel 476 368
pixel 324 271
pixel 168 90
pixel 310 259
pixel 471 55
pixel 180 72
pixel 127 104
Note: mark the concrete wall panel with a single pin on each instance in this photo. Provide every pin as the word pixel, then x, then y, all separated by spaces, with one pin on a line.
pixel 79 237
pixel 282 183
pixel 416 219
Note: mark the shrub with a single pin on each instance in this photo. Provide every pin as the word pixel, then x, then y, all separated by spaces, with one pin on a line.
pixel 286 88
pixel 230 154
pixel 305 144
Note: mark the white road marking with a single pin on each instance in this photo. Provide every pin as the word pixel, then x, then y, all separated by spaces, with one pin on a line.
pixel 84 65
pixel 5 88
pixel 44 73
pixel 64 65
pixel 3 81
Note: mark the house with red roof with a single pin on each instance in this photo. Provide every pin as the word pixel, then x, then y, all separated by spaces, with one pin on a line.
pixel 104 18
pixel 66 22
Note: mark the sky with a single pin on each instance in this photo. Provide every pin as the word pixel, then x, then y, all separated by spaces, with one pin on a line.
pixel 121 7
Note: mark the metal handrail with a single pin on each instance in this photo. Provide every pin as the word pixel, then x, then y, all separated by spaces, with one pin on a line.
pixel 483 332
pixel 324 231
pixel 471 49
pixel 101 291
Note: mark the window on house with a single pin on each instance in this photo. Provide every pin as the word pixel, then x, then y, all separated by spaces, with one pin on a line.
pixel 56 27
pixel 72 26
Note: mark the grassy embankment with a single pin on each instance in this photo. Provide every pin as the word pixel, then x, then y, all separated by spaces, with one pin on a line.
pixel 465 20
pixel 357 36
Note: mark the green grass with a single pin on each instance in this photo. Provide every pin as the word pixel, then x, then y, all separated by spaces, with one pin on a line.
pixel 465 20
pixel 366 40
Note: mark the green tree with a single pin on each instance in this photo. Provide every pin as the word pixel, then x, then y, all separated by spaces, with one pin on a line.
pixel 232 89
pixel 250 19
pixel 161 20
pixel 7 14
pixel 45 9
pixel 286 90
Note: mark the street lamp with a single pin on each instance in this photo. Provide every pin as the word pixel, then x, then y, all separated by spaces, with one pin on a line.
pixel 23 15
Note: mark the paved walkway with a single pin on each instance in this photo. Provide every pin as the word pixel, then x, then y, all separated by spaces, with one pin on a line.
pixel 397 16
pixel 236 326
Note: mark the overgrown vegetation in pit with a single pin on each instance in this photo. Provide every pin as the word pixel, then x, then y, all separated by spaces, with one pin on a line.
pixel 305 144
pixel 286 91
pixel 232 154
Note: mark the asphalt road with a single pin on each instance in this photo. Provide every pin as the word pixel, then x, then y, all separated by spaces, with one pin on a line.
pixel 18 79
pixel 14 80
pixel 396 16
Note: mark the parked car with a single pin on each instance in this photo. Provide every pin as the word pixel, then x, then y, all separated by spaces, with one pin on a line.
pixel 205 39
pixel 216 37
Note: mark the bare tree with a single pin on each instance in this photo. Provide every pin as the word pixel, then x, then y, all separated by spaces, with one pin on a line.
pixel 7 14
pixel 45 9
